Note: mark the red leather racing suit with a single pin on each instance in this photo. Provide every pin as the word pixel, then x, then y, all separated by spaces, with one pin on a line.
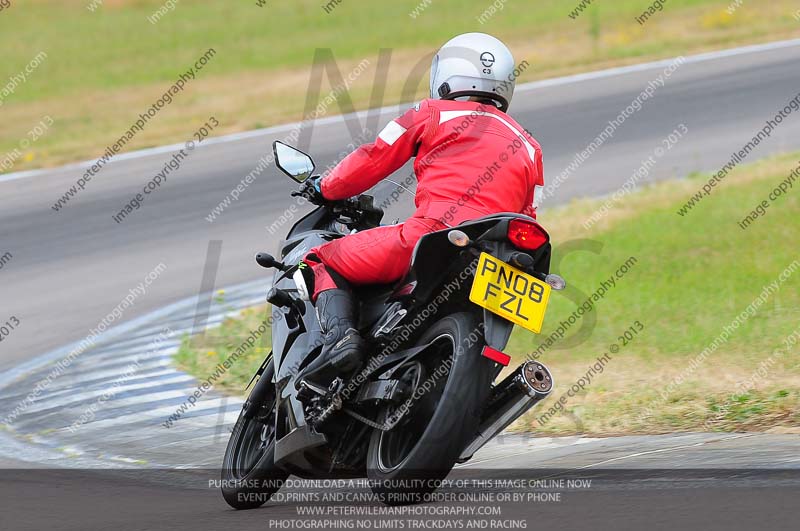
pixel 472 160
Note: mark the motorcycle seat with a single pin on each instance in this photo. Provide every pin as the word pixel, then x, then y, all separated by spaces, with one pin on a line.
pixel 369 292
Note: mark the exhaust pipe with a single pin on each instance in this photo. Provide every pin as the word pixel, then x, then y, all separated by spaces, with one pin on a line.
pixel 528 385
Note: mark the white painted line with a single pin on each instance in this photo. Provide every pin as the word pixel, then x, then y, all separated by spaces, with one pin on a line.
pixel 124 349
pixel 149 398
pixel 62 389
pixel 139 344
pixel 201 441
pixel 641 67
pixel 98 359
pixel 213 421
pixel 69 385
pixel 661 450
pixel 185 428
pixel 159 315
pixel 44 456
pixel 55 401
pixel 565 80
pixel 574 441
pixel 209 409
pixel 93 365
pixel 114 391
pixel 67 379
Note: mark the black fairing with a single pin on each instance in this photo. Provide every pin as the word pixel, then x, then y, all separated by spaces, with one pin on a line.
pixel 296 336
pixel 434 249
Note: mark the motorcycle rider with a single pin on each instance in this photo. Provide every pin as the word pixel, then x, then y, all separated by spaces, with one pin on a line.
pixel 472 160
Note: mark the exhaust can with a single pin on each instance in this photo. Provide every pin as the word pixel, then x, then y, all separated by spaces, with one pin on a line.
pixel 529 384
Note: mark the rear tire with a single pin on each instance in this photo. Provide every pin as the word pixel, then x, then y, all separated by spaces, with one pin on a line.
pixel 408 462
pixel 249 474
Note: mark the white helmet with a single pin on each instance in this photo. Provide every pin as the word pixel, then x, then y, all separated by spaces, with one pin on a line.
pixel 474 64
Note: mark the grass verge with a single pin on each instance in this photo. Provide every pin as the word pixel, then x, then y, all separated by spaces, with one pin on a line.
pixel 104 66
pixel 692 277
pixel 201 355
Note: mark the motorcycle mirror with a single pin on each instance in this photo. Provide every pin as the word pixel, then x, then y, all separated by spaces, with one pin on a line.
pixel 292 162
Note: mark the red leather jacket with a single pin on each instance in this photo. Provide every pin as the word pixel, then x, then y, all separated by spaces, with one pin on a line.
pixel 472 160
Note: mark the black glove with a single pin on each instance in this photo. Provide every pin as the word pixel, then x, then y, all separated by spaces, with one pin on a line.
pixel 311 190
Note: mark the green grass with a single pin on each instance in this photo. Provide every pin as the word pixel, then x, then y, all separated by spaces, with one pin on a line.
pixel 200 355
pixel 116 46
pixel 105 67
pixel 693 275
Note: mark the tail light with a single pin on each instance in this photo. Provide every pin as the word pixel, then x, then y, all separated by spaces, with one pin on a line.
pixel 526 235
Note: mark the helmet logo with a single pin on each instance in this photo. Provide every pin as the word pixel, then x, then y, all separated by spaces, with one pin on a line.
pixel 487 59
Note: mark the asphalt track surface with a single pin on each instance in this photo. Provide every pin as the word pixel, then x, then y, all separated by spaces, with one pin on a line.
pixel 71 268
pixel 686 482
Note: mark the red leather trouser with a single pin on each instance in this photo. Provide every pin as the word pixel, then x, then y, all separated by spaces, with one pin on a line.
pixel 376 256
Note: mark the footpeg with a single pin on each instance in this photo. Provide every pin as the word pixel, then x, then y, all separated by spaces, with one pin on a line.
pixel 307 391
pixel 389 320
pixel 322 407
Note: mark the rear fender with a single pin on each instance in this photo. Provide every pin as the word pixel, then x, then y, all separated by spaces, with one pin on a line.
pixel 496 330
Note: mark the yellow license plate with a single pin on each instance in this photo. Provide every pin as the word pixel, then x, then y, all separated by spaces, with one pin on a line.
pixel 510 293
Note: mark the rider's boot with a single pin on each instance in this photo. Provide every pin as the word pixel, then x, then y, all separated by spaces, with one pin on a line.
pixel 342 351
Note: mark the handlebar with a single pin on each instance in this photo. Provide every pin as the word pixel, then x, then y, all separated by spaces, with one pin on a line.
pixel 359 207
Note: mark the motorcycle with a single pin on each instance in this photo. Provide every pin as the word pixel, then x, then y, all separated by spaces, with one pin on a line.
pixel 428 395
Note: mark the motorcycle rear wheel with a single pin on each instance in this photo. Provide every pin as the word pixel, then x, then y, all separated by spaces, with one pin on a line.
pixel 407 462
